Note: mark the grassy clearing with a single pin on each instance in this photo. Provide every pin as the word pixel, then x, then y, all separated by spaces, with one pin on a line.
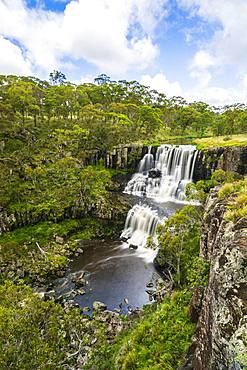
pixel 219 141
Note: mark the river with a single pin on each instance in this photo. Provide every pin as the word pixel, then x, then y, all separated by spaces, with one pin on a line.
pixel 119 273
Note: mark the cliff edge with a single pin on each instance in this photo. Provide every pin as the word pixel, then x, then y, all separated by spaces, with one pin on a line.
pixel 221 335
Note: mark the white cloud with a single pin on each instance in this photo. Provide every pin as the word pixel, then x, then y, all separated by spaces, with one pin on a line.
pixel 114 35
pixel 203 59
pixel 217 96
pixel 213 95
pixel 12 60
pixel 160 83
pixel 226 47
pixel 229 42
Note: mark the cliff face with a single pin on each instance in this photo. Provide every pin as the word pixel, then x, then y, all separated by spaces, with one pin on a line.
pixel 128 157
pixel 221 334
pixel 121 157
pixel 227 159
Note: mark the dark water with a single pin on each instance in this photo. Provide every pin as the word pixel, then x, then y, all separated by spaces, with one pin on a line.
pixel 115 274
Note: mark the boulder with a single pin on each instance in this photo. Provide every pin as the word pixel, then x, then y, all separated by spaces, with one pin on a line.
pixel 154 173
pixel 132 246
pixel 99 306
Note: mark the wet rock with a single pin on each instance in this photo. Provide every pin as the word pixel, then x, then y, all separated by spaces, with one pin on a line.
pixel 130 309
pixel 69 305
pixel 80 292
pixel 60 273
pixel 154 173
pixel 99 306
pixel 136 313
pixel 86 309
pixel 51 294
pixel 79 279
pixel 132 246
pixel 80 250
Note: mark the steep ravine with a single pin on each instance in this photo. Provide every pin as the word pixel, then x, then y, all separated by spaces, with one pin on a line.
pixel 221 312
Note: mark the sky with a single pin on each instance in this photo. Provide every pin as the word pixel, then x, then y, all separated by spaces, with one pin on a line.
pixel 191 48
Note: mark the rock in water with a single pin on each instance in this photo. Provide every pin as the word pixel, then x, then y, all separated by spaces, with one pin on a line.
pixel 99 306
pixel 132 246
pixel 154 173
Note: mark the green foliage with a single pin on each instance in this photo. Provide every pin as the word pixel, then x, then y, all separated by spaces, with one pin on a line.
pixel 115 112
pixel 237 200
pixel 179 243
pixel 197 274
pixel 36 334
pixel 226 191
pixel 199 191
pixel 21 257
pixel 157 341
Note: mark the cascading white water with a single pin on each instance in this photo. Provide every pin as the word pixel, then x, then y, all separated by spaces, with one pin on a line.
pixel 147 162
pixel 140 223
pixel 164 176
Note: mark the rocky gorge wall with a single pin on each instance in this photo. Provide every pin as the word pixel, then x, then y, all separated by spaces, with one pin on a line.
pixel 122 157
pixel 221 312
pixel 230 159
pixel 128 156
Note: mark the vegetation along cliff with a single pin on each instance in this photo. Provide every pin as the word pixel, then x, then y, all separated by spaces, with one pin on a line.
pixel 67 152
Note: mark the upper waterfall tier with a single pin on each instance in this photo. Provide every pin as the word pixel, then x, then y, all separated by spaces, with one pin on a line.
pixel 164 176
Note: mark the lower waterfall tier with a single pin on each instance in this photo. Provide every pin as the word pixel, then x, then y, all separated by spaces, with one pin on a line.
pixel 141 222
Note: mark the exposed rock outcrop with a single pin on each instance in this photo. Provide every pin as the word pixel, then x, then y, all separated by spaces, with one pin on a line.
pixel 120 157
pixel 128 156
pixel 222 324
pixel 225 158
pixel 115 211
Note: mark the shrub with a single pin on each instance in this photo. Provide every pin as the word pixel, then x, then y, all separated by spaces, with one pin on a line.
pixel 157 341
pixel 226 191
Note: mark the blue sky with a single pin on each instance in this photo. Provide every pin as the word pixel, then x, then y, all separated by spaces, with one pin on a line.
pixel 193 48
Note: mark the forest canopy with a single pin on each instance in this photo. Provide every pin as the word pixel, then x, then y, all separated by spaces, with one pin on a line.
pixel 106 113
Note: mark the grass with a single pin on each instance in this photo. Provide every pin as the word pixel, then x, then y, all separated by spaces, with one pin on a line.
pixel 201 143
pixel 221 141
pixel 236 192
pixel 156 341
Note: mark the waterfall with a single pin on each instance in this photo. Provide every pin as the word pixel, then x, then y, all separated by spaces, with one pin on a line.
pixel 162 177
pixel 165 175
pixel 140 223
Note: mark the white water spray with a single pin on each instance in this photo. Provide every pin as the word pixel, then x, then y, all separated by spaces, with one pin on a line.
pixel 162 177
